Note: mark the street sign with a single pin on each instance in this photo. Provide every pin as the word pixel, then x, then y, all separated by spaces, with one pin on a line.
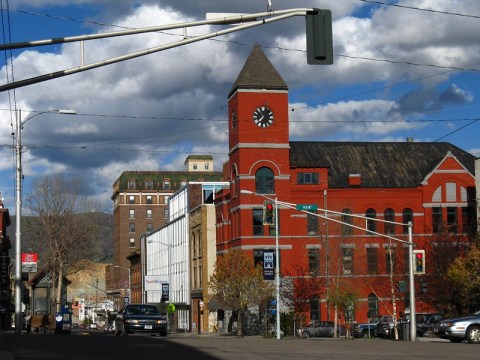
pixel 307 207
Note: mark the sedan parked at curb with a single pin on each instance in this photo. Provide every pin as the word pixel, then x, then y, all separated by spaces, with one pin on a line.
pixel 321 329
pixel 460 328
pixel 140 318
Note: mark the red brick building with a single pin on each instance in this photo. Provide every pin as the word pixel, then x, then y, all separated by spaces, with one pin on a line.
pixel 430 184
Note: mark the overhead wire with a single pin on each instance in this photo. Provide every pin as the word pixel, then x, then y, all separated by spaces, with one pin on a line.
pixel 450 68
pixel 421 9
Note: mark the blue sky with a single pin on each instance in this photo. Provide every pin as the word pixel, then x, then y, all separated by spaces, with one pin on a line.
pixel 409 70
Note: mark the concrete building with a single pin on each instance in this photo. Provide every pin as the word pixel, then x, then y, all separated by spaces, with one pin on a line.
pixel 181 255
pixel 141 205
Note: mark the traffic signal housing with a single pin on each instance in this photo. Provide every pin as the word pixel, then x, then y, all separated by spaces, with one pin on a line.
pixel 268 213
pixel 319 37
pixel 419 262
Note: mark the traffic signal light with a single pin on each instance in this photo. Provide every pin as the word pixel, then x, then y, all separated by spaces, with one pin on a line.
pixel 419 262
pixel 268 213
pixel 319 37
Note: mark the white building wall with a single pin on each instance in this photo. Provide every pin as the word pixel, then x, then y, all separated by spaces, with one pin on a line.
pixel 167 257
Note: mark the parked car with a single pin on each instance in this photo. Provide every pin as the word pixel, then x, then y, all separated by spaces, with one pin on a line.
pixel 366 329
pixel 385 327
pixel 141 318
pixel 460 328
pixel 93 326
pixel 425 322
pixel 321 329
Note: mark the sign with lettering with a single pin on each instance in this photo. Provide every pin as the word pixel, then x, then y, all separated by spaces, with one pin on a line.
pixel 268 265
pixel 29 262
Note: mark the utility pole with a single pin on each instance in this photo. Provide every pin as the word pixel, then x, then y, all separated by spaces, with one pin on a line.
pixel 327 255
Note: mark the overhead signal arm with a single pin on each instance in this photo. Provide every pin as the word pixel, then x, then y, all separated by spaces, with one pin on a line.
pixel 240 22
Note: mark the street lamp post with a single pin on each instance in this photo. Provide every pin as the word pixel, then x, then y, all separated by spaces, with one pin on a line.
pixel 129 281
pixel 18 210
pixel 277 262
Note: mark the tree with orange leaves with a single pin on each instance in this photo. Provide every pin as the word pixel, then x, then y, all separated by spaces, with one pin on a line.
pixel 237 284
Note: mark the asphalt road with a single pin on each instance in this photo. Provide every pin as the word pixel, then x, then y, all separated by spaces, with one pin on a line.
pixel 94 344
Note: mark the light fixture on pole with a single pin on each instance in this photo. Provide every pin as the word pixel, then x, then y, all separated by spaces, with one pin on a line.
pixel 129 281
pixel 277 262
pixel 18 209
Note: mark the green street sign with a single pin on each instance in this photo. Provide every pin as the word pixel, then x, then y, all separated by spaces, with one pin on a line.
pixel 307 207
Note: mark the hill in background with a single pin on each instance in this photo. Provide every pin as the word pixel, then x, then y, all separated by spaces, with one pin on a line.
pixel 104 236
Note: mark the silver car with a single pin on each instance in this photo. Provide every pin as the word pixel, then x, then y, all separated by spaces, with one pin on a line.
pixel 460 328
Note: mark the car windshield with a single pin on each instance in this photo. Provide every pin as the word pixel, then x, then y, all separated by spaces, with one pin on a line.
pixel 141 310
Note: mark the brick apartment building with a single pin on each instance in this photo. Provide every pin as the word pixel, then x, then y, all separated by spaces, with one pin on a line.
pixel 431 184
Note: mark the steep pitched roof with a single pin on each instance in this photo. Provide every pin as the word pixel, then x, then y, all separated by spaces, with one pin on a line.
pixel 258 73
pixel 380 164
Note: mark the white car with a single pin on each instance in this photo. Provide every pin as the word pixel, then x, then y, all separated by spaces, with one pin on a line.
pixel 460 328
pixel 93 326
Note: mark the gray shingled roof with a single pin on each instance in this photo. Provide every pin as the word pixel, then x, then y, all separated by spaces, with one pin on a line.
pixel 258 73
pixel 381 164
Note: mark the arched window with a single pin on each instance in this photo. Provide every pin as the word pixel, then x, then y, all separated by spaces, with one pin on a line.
pixel 389 215
pixel 371 214
pixel 347 219
pixel 264 181
pixel 407 216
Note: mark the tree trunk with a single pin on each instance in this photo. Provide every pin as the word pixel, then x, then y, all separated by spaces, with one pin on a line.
pixel 240 323
pixel 58 297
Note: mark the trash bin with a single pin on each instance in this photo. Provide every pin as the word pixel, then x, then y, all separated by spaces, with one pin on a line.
pixel 404 330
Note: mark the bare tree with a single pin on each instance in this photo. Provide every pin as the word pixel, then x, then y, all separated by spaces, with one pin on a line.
pixel 61 228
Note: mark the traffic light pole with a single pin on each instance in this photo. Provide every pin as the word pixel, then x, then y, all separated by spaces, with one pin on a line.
pixel 413 320
pixel 238 22
pixel 277 271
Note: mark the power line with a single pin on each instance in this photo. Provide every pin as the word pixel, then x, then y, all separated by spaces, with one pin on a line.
pixel 420 9
pixel 136 117
pixel 456 130
pixel 411 63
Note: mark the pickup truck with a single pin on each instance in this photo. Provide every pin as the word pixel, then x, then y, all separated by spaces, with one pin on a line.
pixel 366 329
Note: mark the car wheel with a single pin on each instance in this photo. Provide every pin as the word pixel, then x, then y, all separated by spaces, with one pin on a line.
pixel 473 334
pixel 456 340
pixel 305 334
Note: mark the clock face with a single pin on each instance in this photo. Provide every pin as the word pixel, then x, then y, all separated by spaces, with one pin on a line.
pixel 263 116
pixel 234 119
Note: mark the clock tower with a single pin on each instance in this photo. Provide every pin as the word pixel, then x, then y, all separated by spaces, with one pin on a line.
pixel 258 122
